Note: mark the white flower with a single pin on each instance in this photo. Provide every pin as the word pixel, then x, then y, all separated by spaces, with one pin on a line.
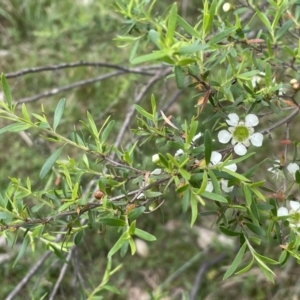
pixel 256 79
pixel 292 169
pixel 195 138
pixel 241 133
pixel 294 213
pixel 275 169
pixel 215 159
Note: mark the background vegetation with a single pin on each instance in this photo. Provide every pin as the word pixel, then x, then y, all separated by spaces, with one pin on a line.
pixel 184 262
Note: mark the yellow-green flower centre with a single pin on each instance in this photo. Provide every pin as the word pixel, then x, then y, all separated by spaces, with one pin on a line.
pixel 295 219
pixel 241 133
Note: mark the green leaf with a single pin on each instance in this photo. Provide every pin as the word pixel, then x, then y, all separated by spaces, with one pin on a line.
pixel 246 269
pixel 143 112
pixel 297 176
pixel 132 228
pixel 135 213
pixel 188 28
pixel 203 183
pixel 65 206
pixel 124 248
pixel 171 24
pixel 247 194
pixel 236 175
pixel 25 113
pixel 185 174
pixel 194 208
pixel 78 237
pixel 256 229
pixel 23 248
pixel 180 77
pixel 220 36
pixel 283 29
pixel 150 194
pixel 15 127
pixel 268 76
pixel 264 19
pixel 132 246
pixel 59 112
pixel 208 146
pixel 247 75
pixel 144 235
pixel 123 238
pixel 149 57
pixel 106 132
pixel 191 49
pixel 214 197
pixel 112 222
pixel 58 253
pixel 228 232
pixel 50 162
pixel 267 259
pixel 236 261
pixel 6 91
pixel 215 182
pixel 258 193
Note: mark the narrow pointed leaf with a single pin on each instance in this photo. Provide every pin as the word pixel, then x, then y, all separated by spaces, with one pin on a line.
pixel 59 112
pixel 50 162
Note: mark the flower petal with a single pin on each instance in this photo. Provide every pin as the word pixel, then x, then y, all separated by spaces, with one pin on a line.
pixel 224 186
pixel 233 119
pixel 240 149
pixel 224 136
pixel 156 172
pixel 179 152
pixel 256 139
pixel 295 205
pixel 246 142
pixel 282 211
pixel 197 136
pixel 251 120
pixel 232 167
pixel 209 187
pixel 292 168
pixel 215 158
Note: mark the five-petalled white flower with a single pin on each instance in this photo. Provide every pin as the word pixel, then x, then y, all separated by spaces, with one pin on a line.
pixel 241 133
pixel 293 213
pixel 215 159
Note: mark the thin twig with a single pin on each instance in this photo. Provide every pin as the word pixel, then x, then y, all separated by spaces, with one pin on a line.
pixel 74 85
pixel 61 275
pixel 282 121
pixel 201 272
pixel 138 99
pixel 84 209
pixel 28 276
pixel 75 65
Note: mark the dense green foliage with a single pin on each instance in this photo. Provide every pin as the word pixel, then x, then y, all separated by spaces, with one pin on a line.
pixel 99 193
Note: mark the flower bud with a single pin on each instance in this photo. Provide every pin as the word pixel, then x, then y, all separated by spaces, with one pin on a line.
pixel 226 7
pixel 155 158
pixel 293 81
pixel 296 86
